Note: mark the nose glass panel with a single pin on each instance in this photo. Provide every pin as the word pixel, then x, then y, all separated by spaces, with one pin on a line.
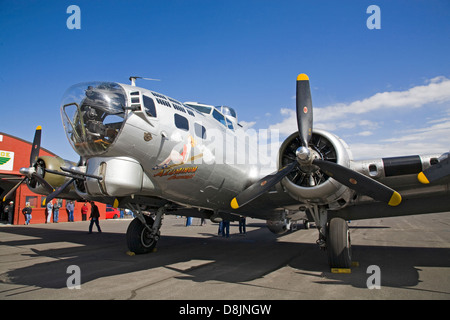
pixel 93 115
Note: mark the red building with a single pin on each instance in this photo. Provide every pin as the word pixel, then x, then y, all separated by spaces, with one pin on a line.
pixel 15 154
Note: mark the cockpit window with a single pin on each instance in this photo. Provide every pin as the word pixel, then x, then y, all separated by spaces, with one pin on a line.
pixel 219 117
pixel 149 106
pixel 93 114
pixel 202 109
pixel 229 124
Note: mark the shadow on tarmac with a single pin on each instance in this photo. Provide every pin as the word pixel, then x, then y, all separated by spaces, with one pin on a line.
pixel 235 260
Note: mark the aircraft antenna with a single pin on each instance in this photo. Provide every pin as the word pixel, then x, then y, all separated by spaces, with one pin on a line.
pixel 133 79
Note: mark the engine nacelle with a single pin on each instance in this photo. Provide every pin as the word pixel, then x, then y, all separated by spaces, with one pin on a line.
pixel 308 183
pixel 55 180
pixel 279 226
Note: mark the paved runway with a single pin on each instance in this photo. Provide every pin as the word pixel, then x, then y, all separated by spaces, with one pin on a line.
pixel 412 253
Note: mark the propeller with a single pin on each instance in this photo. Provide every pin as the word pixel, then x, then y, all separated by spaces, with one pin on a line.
pixel 73 174
pixel 437 171
pixel 30 173
pixel 263 185
pixel 57 191
pixel 304 157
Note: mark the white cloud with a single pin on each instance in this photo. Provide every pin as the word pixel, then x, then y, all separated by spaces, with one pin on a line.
pixel 436 91
pixel 355 119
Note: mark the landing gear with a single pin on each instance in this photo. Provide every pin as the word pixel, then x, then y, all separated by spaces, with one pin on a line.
pixel 338 244
pixel 139 237
pixel 334 237
pixel 306 224
pixel 143 232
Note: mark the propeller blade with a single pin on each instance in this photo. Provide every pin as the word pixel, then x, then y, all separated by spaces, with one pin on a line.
pixel 261 186
pixel 43 182
pixel 304 109
pixel 56 192
pixel 36 146
pixel 11 192
pixel 359 182
pixel 435 172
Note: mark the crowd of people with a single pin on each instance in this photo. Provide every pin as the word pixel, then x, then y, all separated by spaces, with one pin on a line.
pixel 224 226
pixel 54 206
pixel 52 212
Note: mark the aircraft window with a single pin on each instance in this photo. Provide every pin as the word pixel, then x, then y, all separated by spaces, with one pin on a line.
pixel 200 131
pixel 93 115
pixel 181 122
pixel 219 117
pixel 149 106
pixel 135 100
pixel 158 95
pixel 175 101
pixel 163 102
pixel 227 111
pixel 230 124
pixel 202 109
pixel 179 108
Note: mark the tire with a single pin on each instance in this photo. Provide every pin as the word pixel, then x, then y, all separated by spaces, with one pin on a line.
pixel 306 224
pixel 338 244
pixel 138 237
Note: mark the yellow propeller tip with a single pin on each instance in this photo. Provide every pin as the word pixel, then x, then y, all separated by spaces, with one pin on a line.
pixel 234 204
pixel 422 178
pixel 302 76
pixel 39 128
pixel 116 204
pixel 396 199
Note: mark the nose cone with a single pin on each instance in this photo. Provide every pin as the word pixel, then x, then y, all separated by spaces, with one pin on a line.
pixel 93 115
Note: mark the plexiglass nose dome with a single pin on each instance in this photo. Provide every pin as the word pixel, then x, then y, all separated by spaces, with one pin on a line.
pixel 93 115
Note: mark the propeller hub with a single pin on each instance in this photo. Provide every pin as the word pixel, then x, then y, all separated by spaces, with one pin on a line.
pixel 303 154
pixel 27 171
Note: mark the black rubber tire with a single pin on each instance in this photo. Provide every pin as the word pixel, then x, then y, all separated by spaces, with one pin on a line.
pixel 338 244
pixel 138 240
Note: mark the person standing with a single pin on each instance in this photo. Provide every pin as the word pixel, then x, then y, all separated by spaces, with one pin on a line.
pixel 56 207
pixel 70 207
pixel 95 217
pixel 8 210
pixel 27 212
pixel 242 225
pixel 49 211
pixel 84 211
pixel 226 228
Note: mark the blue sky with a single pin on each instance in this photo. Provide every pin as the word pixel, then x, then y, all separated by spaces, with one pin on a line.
pixel 385 92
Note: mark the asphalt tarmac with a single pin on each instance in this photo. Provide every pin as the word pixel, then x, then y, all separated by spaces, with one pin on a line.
pixel 63 262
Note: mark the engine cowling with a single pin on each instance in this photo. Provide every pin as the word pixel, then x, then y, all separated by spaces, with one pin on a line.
pixel 279 226
pixel 51 163
pixel 307 183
